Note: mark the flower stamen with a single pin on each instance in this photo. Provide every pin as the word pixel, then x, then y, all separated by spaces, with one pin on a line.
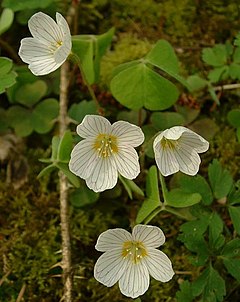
pixel 134 250
pixel 105 145
pixel 169 143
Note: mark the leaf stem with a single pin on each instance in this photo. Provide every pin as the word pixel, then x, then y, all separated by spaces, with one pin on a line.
pixel 77 60
pixel 164 188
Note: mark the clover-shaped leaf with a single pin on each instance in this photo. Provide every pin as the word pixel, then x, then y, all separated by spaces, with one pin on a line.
pixel 139 86
pixel 7 76
pixel 30 94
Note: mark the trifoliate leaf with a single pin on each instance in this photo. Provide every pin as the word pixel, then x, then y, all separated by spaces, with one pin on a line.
pixel 7 77
pixel 139 86
pixel 196 83
pixel 30 94
pixel 218 74
pixel 178 198
pixel 20 119
pixel 215 56
pixel 234 71
pixel 78 111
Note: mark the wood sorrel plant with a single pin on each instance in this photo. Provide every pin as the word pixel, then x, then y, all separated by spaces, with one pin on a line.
pixel 107 153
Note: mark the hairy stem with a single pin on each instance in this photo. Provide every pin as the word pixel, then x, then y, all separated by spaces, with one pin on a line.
pixel 64 216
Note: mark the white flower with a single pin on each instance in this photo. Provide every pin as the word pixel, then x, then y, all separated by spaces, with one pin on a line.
pixel 176 149
pixel 106 150
pixel 131 258
pixel 50 46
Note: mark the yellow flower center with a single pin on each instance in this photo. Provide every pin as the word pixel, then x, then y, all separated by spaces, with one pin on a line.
pixel 134 250
pixel 169 143
pixel 106 145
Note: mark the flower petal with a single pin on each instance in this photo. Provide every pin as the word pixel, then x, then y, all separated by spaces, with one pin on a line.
pixel 62 23
pixel 83 159
pixel 44 28
pixel 192 140
pixel 150 236
pixel 135 280
pixel 104 175
pixel 111 239
pixel 128 134
pixel 159 265
pixel 126 160
pixel 188 160
pixel 93 125
pixel 165 158
pixel 110 267
pixel 174 133
pixel 32 50
pixel 43 67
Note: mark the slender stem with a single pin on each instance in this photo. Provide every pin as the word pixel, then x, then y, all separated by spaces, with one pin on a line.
pixel 76 59
pixel 63 182
pixel 227 87
pixel 153 214
pixel 164 188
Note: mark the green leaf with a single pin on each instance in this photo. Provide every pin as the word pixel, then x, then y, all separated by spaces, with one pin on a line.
pixel 213 94
pixel 197 184
pixel 78 111
pixel 220 179
pixel 233 267
pixel 83 196
pixel 215 56
pixel 236 55
pixel 215 229
pixel 71 177
pixel 7 77
pixel 234 195
pixel 196 83
pixel 211 285
pixel 130 187
pixel 189 114
pixel 218 74
pixel 46 170
pixel 163 56
pixel 44 114
pixel 237 40
pixel 65 147
pixel 235 217
pixel 233 117
pixel 152 201
pixel 206 127
pixel 26 4
pixel 185 293
pixel 178 198
pixel 193 238
pixel 55 146
pixel 30 94
pixel 232 249
pixel 234 71
pixel 90 49
pixel 164 120
pixel 139 86
pixel 238 134
pixel 231 258
pixel 132 116
pixel 20 119
pixel 6 20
